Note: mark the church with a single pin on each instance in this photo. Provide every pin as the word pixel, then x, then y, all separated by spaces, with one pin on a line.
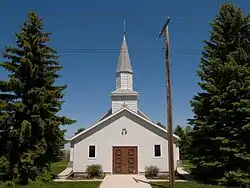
pixel 124 140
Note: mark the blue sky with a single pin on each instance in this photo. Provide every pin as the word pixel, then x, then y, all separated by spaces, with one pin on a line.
pixel 97 24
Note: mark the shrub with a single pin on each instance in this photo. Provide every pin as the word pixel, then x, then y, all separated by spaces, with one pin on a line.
pixel 7 184
pixel 4 167
pixel 94 170
pixel 151 171
pixel 44 176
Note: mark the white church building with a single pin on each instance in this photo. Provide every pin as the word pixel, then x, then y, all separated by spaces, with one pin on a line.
pixel 124 140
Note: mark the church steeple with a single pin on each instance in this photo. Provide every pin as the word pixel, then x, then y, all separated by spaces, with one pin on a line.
pixel 124 95
pixel 124 64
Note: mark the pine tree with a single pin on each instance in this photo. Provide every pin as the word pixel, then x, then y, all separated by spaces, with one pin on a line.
pixel 30 101
pixel 221 146
pixel 4 164
pixel 159 123
pixel 79 130
pixel 185 140
pixel 179 131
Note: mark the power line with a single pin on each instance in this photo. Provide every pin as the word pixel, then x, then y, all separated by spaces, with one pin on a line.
pixel 101 51
pixel 112 50
pixel 116 50
pixel 185 51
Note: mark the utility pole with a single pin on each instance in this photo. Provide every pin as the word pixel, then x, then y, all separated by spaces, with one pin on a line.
pixel 164 32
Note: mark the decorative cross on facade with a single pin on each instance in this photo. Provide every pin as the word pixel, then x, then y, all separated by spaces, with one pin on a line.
pixel 124 105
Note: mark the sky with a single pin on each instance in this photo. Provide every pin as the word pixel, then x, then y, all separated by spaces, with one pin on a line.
pixel 96 24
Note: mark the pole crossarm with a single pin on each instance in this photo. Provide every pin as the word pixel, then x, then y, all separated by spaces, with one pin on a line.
pixel 164 28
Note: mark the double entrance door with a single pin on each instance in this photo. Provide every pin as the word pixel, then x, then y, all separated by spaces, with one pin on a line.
pixel 125 160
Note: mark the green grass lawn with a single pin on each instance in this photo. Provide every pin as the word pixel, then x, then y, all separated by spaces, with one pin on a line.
pixel 63 185
pixel 58 167
pixel 96 185
pixel 183 185
pixel 187 165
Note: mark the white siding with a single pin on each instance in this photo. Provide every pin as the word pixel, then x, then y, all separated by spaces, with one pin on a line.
pixel 126 81
pixel 177 153
pixel 71 152
pixel 131 104
pixel 110 136
pixel 118 81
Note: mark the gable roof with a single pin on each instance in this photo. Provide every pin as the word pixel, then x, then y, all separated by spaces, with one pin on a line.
pixel 142 114
pixel 109 113
pixel 115 114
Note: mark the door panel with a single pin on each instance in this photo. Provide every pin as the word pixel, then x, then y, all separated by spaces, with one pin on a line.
pixel 125 160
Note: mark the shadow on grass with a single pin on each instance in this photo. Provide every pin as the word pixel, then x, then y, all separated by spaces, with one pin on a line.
pixel 188 177
pixel 158 185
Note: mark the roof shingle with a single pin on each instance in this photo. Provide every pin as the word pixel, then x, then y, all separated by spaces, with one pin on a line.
pixel 124 64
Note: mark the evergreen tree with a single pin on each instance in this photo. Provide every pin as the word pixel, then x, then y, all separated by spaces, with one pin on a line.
pixel 179 131
pixel 159 123
pixel 4 134
pixel 29 102
pixel 185 140
pixel 221 146
pixel 79 130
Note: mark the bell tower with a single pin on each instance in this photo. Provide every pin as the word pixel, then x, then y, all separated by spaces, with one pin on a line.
pixel 124 95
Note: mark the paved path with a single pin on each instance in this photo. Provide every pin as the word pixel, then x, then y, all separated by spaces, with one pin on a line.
pixel 184 174
pixel 66 173
pixel 124 181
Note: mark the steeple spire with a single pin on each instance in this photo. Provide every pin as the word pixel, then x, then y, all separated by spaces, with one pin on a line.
pixel 124 95
pixel 124 64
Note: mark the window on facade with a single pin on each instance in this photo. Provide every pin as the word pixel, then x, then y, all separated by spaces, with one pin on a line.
pixel 157 150
pixel 91 151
